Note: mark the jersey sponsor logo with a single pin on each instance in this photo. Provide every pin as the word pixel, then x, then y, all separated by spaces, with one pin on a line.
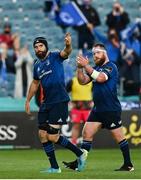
pixel 100 70
pixel 45 73
pixel 38 69
pixel 48 63
pixel 112 125
pixel 108 69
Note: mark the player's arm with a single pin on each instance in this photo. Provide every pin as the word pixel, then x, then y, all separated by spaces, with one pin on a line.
pixel 68 46
pixel 32 90
pixel 82 77
pixel 100 77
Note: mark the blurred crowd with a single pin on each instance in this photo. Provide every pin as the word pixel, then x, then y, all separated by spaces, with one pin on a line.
pixel 15 64
pixel 122 40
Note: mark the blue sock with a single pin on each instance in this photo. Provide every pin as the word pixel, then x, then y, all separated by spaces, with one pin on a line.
pixel 63 141
pixel 49 149
pixel 125 151
pixel 86 145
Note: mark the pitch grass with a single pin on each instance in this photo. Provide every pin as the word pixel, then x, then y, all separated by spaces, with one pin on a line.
pixel 26 164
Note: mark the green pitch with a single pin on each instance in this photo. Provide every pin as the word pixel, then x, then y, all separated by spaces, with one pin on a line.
pixel 22 164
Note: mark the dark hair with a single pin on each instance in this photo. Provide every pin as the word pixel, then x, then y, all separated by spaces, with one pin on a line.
pixel 7 24
pixel 100 45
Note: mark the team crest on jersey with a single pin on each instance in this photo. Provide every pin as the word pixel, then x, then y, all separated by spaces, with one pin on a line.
pixel 48 63
pixel 100 70
pixel 109 69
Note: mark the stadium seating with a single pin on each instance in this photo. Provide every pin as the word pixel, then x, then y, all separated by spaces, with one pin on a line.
pixel 29 20
pixel 26 14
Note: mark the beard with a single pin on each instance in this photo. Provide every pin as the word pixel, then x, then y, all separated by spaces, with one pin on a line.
pixel 41 54
pixel 100 62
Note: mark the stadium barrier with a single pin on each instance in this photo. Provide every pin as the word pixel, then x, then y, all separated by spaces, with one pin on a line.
pixel 19 131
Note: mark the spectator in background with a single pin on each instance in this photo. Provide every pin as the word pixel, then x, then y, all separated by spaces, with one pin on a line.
pixel 11 39
pixel 118 18
pixel 131 55
pixel 129 68
pixel 81 105
pixel 111 42
pixel 85 32
pixel 52 10
pixel 7 71
pixel 48 6
pixel 68 70
pixel 51 7
pixel 23 72
pixel 131 36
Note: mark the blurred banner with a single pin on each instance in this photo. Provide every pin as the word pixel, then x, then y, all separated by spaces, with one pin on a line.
pixel 19 131
pixel 70 15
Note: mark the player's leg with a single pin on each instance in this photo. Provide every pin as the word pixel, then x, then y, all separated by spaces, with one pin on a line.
pixel 88 117
pixel 76 120
pixel 58 116
pixel 89 130
pixel 47 145
pixel 118 135
pixel 115 127
pixel 63 141
pixel 75 132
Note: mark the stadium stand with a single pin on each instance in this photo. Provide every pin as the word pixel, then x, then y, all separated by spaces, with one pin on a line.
pixel 28 20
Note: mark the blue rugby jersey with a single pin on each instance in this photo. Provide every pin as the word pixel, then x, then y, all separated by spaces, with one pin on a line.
pixel 50 72
pixel 105 94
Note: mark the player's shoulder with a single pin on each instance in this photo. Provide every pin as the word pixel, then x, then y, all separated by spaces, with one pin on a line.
pixel 55 52
pixel 110 66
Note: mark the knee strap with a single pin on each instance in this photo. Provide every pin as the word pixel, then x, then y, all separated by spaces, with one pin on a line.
pixel 49 129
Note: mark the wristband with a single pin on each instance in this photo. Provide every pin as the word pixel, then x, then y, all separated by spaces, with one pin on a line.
pixel 95 74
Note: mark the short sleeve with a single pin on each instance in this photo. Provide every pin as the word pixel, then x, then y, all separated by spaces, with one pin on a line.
pixel 107 70
pixel 57 55
pixel 35 75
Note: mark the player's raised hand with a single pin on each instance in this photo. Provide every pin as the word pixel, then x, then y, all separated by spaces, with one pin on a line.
pixel 82 61
pixel 67 39
pixel 27 107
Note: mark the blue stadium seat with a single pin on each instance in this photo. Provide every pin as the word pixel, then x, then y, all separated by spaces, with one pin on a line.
pixel 8 6
pixel 32 6
pixel 32 14
pixel 12 14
